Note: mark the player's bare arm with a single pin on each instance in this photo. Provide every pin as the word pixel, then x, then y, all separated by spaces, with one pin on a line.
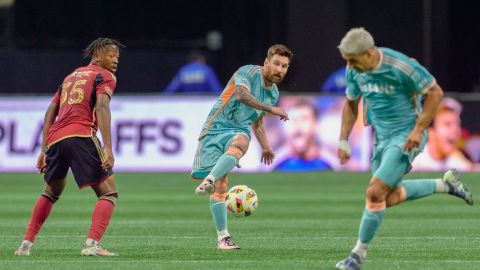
pixel 349 116
pixel 432 100
pixel 267 153
pixel 244 96
pixel 49 118
pixel 102 108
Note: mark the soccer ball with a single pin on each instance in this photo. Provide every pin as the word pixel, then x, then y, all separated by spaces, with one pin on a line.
pixel 241 201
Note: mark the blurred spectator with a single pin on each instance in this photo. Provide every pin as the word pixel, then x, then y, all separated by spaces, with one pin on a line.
pixel 304 150
pixel 6 22
pixel 335 83
pixel 194 77
pixel 441 151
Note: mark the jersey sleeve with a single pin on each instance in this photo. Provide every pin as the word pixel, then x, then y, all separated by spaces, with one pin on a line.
pixel 419 80
pixel 241 77
pixel 106 85
pixel 352 91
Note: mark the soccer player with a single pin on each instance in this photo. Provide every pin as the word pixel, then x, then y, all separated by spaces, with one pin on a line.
pixel 80 106
pixel 392 86
pixel 249 95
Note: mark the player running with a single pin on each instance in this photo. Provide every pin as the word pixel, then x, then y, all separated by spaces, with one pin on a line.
pixel 80 106
pixel 250 94
pixel 392 86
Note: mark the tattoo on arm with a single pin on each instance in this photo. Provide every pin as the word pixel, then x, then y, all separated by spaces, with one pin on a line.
pixel 244 96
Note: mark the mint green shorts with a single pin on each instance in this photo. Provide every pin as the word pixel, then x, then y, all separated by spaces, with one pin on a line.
pixel 390 162
pixel 210 148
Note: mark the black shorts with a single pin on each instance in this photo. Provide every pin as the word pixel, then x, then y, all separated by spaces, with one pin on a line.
pixel 82 155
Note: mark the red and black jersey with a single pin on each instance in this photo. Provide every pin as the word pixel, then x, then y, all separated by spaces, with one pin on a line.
pixel 76 99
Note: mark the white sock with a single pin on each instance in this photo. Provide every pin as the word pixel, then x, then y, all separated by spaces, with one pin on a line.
pixel 91 242
pixel 222 234
pixel 360 249
pixel 440 186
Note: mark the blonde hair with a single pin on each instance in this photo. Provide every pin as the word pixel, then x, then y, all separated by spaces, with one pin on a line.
pixel 357 40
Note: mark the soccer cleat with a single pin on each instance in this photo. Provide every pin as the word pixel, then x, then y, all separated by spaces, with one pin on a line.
pixel 227 243
pixel 456 187
pixel 207 187
pixel 91 248
pixel 353 262
pixel 24 249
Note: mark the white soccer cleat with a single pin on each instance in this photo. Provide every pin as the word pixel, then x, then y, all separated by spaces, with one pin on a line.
pixel 207 187
pixel 91 248
pixel 456 187
pixel 24 249
pixel 227 243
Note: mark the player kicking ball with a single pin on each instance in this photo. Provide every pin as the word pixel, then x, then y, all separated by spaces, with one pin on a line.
pixel 392 86
pixel 250 94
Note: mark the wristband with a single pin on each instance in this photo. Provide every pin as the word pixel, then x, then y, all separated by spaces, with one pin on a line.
pixel 343 145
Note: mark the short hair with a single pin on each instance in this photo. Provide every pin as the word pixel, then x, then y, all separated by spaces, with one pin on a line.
pixel 308 103
pixel 357 40
pixel 99 44
pixel 281 50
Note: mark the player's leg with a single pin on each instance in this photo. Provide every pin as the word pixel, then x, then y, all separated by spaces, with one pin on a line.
pixel 389 167
pixel 236 148
pixel 55 178
pixel 107 198
pixel 86 168
pixel 40 213
pixel 450 183
pixel 219 214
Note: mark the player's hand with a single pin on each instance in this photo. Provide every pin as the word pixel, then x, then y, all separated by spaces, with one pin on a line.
pixel 344 151
pixel 268 156
pixel 41 165
pixel 280 112
pixel 343 156
pixel 414 140
pixel 108 160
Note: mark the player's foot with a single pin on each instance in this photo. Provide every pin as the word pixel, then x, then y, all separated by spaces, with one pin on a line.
pixel 227 243
pixel 207 187
pixel 24 249
pixel 353 262
pixel 456 187
pixel 91 248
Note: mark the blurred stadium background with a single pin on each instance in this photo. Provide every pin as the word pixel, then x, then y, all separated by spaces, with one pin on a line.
pixel 41 42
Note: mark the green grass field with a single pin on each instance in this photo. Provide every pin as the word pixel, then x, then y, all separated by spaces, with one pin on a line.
pixel 304 221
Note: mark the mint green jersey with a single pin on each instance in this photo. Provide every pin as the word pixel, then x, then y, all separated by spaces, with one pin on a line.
pixel 392 93
pixel 230 114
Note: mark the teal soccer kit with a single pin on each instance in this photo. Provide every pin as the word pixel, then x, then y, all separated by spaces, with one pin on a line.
pixel 230 117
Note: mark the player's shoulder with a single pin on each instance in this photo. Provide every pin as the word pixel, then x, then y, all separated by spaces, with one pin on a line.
pixel 100 73
pixel 249 70
pixel 399 60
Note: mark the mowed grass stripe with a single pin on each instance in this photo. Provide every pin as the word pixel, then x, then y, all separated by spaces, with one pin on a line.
pixel 304 221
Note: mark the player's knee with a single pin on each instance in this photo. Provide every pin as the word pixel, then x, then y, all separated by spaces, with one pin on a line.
pixel 50 196
pixel 375 194
pixel 235 151
pixel 109 196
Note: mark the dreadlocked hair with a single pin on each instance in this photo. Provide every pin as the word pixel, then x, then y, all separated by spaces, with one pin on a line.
pixel 100 43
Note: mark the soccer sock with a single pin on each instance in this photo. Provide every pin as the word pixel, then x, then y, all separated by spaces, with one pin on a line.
pixel 223 166
pixel 40 213
pixel 100 219
pixel 219 214
pixel 371 219
pixel 416 189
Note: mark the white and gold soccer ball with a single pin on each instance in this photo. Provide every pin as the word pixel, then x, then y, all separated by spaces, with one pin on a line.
pixel 241 201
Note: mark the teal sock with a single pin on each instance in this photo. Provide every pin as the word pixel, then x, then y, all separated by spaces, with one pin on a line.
pixel 223 166
pixel 219 214
pixel 369 225
pixel 417 189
